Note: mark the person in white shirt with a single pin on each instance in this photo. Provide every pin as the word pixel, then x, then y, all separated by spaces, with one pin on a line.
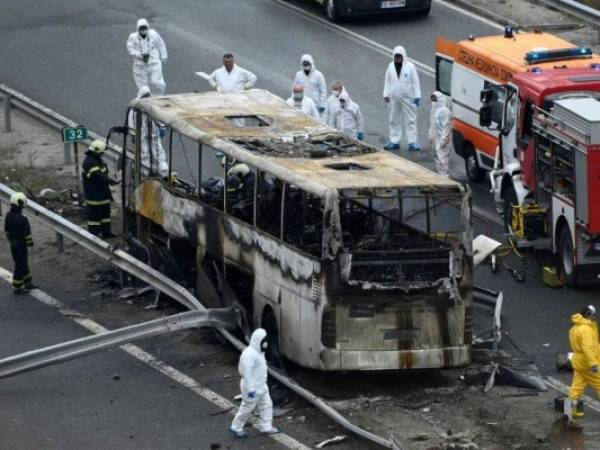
pixel 231 77
pixel 313 82
pixel 149 52
pixel 347 118
pixel 300 101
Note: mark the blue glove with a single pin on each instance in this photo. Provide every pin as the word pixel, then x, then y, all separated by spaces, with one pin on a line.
pixel 360 136
pixel 161 132
pixel 320 109
pixel 417 102
pixel 251 394
pixel 595 369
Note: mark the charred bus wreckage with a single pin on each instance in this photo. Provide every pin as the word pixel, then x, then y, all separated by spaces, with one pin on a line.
pixel 352 258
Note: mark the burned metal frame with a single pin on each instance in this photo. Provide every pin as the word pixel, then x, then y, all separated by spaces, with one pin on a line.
pixel 301 283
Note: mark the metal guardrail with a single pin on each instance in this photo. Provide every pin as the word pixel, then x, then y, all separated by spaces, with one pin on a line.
pixel 576 9
pixel 126 262
pixel 106 251
pixel 13 99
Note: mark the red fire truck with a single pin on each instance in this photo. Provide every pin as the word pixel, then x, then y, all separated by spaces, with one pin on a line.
pixel 546 174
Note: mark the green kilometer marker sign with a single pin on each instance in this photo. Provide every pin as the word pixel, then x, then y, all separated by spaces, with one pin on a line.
pixel 74 134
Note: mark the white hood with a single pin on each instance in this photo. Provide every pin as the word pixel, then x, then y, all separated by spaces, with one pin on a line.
pixel 257 337
pixel 399 50
pixel 345 96
pixel 142 23
pixel 308 58
pixel 441 98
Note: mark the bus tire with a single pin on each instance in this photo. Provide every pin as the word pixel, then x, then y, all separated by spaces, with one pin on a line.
pixel 566 258
pixel 475 174
pixel 273 353
pixel 510 200
pixel 332 11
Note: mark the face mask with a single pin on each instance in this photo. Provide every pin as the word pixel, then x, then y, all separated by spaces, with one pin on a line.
pixel 306 69
pixel 336 93
pixel 298 97
pixel 143 32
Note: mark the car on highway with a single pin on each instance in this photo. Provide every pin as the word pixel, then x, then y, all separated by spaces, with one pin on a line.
pixel 335 10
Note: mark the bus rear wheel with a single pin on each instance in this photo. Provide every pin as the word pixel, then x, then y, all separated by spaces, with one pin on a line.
pixel 566 258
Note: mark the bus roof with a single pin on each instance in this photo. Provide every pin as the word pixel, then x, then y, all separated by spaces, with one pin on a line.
pixel 498 57
pixel 260 129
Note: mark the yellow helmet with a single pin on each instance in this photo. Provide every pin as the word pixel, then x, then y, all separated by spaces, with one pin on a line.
pixel 98 146
pixel 18 199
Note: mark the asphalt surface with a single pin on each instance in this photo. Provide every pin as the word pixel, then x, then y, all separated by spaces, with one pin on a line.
pixel 106 400
pixel 72 58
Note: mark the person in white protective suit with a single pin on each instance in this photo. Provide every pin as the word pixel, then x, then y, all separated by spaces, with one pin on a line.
pixel 255 391
pixel 347 118
pixel 440 132
pixel 231 77
pixel 333 100
pixel 157 161
pixel 149 52
pixel 300 101
pixel 402 91
pixel 313 82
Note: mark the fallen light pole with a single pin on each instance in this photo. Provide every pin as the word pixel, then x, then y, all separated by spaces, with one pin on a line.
pixel 54 354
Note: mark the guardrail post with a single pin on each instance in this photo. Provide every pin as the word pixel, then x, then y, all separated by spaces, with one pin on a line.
pixel 60 243
pixel 6 100
pixel 67 151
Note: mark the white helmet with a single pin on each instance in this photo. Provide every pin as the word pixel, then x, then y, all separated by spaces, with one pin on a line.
pixel 98 146
pixel 18 199
pixel 239 171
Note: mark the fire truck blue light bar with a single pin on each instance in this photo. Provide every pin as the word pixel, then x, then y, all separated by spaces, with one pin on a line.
pixel 562 53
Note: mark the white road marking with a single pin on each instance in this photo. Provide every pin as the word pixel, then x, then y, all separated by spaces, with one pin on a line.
pixel 353 36
pixel 470 14
pixel 563 388
pixel 152 361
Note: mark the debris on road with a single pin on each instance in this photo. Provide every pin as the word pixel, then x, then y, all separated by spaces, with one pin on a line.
pixel 333 440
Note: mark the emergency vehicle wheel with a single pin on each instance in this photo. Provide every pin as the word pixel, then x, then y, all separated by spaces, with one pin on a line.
pixel 332 11
pixel 566 258
pixel 510 200
pixel 475 173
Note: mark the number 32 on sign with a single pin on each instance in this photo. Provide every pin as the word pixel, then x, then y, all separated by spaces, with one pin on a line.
pixel 74 134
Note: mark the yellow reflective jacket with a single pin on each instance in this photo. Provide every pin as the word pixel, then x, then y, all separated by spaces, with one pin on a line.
pixel 583 336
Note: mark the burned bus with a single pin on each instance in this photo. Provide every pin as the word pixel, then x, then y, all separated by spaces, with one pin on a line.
pixel 350 257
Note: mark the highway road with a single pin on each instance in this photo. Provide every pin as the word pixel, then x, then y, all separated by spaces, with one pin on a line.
pixel 72 58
